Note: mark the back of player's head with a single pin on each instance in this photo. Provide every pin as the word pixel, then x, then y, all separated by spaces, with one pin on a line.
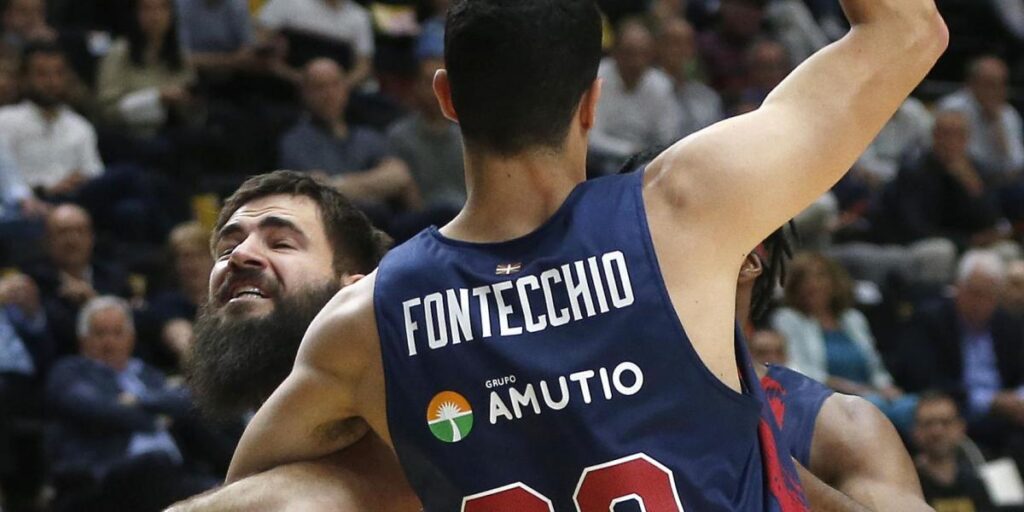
pixel 518 69
pixel 356 244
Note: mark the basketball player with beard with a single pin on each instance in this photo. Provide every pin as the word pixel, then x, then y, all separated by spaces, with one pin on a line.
pixel 296 243
pixel 450 350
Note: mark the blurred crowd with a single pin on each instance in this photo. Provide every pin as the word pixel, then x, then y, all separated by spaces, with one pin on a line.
pixel 123 123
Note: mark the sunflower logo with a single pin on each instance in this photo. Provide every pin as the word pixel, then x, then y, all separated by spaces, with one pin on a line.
pixel 450 417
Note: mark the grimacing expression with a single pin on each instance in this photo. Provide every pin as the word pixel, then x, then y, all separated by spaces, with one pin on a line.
pixel 271 248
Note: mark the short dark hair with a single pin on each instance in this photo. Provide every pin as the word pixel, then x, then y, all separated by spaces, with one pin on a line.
pixel 357 245
pixel 39 48
pixel 518 69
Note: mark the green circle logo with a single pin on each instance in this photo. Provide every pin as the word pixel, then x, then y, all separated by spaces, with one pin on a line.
pixel 450 417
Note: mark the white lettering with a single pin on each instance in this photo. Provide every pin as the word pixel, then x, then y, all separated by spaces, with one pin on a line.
pixel 624 299
pixel 578 290
pixel 432 306
pixel 605 385
pixel 526 398
pixel 548 278
pixel 595 274
pixel 532 324
pixel 498 408
pixel 581 378
pixel 562 402
pixel 458 316
pixel 504 310
pixel 638 376
pixel 485 310
pixel 410 325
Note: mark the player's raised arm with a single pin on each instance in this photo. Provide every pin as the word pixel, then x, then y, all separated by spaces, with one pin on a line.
pixel 746 176
pixel 314 412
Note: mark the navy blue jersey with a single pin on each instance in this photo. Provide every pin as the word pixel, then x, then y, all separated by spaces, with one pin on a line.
pixel 551 372
pixel 795 400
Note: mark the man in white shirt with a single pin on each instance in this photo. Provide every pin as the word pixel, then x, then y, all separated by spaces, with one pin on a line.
pixel 344 21
pixel 699 105
pixel 638 109
pixel 53 147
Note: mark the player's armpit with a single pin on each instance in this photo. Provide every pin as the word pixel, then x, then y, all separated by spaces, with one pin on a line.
pixel 857 450
pixel 822 498
pixel 740 179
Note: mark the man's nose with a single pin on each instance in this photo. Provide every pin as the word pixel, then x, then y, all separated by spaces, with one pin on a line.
pixel 248 254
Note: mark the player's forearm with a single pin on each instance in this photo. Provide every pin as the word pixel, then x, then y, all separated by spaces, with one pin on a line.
pixel 823 498
pixel 905 12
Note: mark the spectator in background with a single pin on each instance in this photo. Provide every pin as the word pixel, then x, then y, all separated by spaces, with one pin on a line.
pixel 172 312
pixel 767 347
pixel 217 34
pixel 24 21
pixel 996 137
pixel 767 64
pixel 943 194
pixel 340 21
pixel 21 306
pixel 725 47
pixel 144 79
pixel 356 160
pixel 637 109
pixel 948 481
pixel 831 342
pixel 902 139
pixel 699 105
pixel 17 200
pixel 1013 295
pixel 71 276
pixel 113 413
pixel 52 146
pixel 430 43
pixel 972 349
pixel 431 145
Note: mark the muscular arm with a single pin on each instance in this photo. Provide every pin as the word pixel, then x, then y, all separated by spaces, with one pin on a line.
pixel 365 476
pixel 857 450
pixel 719 192
pixel 317 411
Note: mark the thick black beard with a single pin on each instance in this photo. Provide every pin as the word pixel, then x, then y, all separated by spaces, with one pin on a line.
pixel 237 363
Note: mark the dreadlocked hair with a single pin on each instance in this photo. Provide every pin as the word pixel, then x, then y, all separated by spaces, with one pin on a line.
pixel 778 249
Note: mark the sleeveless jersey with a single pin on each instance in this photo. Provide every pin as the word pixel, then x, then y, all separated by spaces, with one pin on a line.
pixel 551 373
pixel 795 400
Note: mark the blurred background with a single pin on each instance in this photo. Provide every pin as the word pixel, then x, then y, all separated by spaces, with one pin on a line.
pixel 124 123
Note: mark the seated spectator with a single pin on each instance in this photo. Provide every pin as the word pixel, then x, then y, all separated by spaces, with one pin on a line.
pixel 1013 296
pixel 972 349
pixel 21 305
pixel 112 413
pixel 144 79
pixel 355 159
pixel 948 481
pixel 175 310
pixel 943 194
pixel 699 105
pixel 796 29
pixel 724 48
pixel 831 342
pixel 71 277
pixel 903 138
pixel 767 347
pixel 24 21
pixel 17 200
pixel 342 22
pixel 52 147
pixel 430 43
pixel 637 110
pixel 431 145
pixel 216 33
pixel 767 64
pixel 996 139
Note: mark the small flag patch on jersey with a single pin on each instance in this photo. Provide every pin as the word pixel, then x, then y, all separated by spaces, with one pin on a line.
pixel 450 417
pixel 509 269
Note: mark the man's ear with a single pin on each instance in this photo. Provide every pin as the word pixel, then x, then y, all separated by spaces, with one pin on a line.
pixel 443 93
pixel 351 279
pixel 751 269
pixel 588 105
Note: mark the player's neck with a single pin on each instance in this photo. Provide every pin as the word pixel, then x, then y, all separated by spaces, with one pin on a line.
pixel 510 197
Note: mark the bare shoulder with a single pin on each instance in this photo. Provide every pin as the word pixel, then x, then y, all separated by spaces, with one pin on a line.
pixel 854 441
pixel 344 335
